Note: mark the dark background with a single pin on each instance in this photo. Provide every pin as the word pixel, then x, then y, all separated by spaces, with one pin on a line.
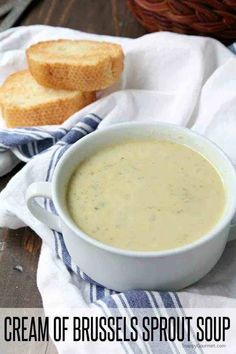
pixel 22 247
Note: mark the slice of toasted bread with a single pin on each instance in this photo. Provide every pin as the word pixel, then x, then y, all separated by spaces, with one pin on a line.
pixel 76 65
pixel 26 103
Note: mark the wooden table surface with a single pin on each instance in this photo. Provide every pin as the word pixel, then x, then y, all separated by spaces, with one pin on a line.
pixel 22 247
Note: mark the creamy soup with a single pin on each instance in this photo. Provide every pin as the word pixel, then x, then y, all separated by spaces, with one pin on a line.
pixel 146 195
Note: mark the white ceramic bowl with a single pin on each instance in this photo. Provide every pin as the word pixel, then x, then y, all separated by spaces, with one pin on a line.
pixel 122 269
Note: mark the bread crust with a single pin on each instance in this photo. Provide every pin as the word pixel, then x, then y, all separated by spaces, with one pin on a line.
pixel 49 112
pixel 85 75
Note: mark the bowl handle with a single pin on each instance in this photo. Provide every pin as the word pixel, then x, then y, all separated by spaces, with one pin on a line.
pixel 37 190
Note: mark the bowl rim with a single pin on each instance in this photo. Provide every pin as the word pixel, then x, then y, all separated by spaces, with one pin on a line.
pixel 223 221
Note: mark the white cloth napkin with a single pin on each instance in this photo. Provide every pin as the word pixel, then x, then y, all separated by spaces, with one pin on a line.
pixel 184 80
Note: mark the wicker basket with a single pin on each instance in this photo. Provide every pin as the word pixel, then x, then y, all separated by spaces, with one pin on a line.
pixel 212 18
